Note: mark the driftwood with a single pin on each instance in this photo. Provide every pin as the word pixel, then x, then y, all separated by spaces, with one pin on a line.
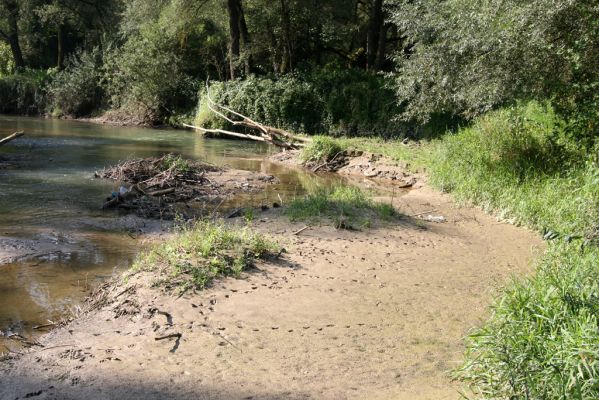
pixel 11 137
pixel 275 136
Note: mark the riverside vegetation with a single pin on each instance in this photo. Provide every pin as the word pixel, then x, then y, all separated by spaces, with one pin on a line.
pixel 499 99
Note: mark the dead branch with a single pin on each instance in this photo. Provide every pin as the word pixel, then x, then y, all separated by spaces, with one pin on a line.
pixel 11 137
pixel 172 335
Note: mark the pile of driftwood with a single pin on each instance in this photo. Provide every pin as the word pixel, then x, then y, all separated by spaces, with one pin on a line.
pixel 151 186
pixel 268 134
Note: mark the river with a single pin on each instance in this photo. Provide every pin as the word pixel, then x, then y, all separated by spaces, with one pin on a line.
pixel 50 195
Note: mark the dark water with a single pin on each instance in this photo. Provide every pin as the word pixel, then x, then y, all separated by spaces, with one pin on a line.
pixel 52 196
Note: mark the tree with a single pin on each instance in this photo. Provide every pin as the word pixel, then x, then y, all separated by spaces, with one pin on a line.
pixel 239 37
pixel 470 56
pixel 9 29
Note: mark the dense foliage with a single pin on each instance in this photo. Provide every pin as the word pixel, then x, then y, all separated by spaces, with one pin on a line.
pixel 146 60
pixel 335 102
pixel 470 56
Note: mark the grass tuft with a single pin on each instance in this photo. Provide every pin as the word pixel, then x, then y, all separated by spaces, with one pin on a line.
pixel 348 207
pixel 199 253
pixel 321 149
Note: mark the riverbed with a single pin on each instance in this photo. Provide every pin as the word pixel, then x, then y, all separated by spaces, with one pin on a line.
pixel 49 199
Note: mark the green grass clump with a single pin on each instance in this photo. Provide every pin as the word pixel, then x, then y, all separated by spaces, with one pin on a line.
pixel 348 207
pixel 321 149
pixel 199 253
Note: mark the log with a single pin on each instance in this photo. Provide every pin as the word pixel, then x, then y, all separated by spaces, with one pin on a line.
pixel 11 137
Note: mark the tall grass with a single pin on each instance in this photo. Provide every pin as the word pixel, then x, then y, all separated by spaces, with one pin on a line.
pixel 542 339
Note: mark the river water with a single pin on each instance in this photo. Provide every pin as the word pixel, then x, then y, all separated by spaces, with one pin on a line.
pixel 51 196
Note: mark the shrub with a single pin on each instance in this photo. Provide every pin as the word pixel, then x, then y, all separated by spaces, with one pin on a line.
pixel 520 162
pixel 357 102
pixel 471 56
pixel 24 92
pixel 7 64
pixel 144 78
pixel 77 90
pixel 541 341
pixel 287 103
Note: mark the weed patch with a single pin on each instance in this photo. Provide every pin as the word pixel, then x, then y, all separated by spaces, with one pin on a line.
pixel 199 253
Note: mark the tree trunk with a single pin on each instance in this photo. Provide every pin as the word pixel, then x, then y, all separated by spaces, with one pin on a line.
pixel 13 34
pixel 235 36
pixel 245 40
pixel 374 28
pixel 60 47
pixel 381 48
pixel 287 62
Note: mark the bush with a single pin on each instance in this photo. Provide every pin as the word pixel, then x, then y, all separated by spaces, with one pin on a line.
pixel 327 101
pixel 520 162
pixel 24 92
pixel 7 64
pixel 287 103
pixel 77 90
pixel 357 103
pixel 144 79
pixel 542 339
pixel 471 56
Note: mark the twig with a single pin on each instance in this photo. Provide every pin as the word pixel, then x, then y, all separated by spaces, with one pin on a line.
pixel 301 230
pixel 44 326
pixel 172 335
pixel 422 213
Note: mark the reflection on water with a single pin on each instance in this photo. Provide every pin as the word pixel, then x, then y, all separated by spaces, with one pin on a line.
pixel 53 195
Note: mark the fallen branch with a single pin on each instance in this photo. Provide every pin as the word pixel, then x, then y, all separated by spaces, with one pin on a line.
pixel 275 136
pixel 300 231
pixel 11 137
pixel 162 192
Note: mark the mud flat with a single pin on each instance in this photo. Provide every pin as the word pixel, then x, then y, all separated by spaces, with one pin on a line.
pixel 374 314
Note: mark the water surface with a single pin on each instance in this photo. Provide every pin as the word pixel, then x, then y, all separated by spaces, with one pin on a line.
pixel 52 196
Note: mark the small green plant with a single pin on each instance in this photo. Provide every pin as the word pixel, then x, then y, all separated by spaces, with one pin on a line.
pixel 249 215
pixel 199 253
pixel 321 149
pixel 348 207
pixel 176 163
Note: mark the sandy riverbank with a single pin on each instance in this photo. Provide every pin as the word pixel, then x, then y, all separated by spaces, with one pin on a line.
pixel 377 314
